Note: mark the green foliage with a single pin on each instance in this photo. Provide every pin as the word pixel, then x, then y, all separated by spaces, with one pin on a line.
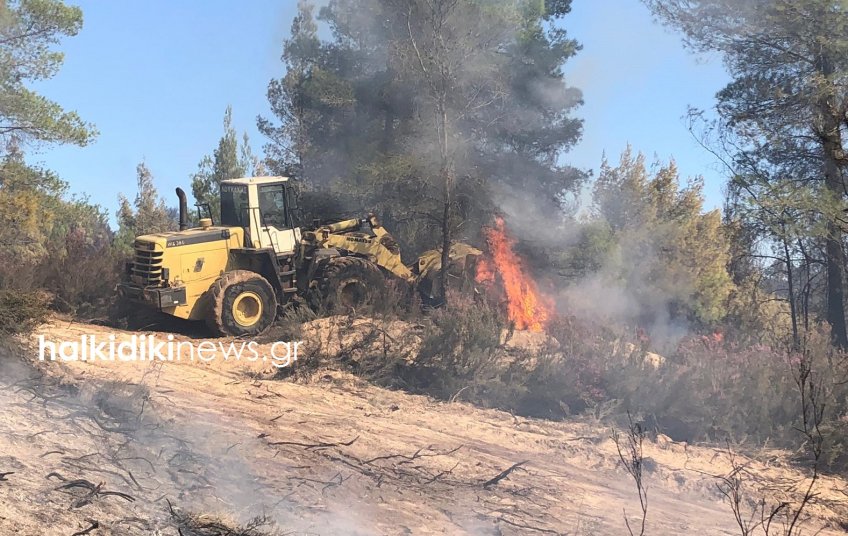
pixel 228 161
pixel 355 115
pixel 29 200
pixel 650 238
pixel 147 214
pixel 778 126
pixel 28 31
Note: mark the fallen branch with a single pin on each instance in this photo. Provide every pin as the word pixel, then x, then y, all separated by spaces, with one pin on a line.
pixel 504 474
pixel 94 525
pixel 417 454
pixel 309 446
pixel 4 475
pixel 278 416
pixel 443 473
pixel 528 527
pixel 129 481
pixel 94 491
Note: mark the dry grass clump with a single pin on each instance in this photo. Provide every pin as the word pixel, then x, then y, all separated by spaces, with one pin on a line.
pixel 193 524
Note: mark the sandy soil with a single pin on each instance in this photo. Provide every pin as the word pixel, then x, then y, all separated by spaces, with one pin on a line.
pixel 332 456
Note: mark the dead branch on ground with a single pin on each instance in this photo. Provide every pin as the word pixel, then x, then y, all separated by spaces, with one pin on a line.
pixel 93 525
pixel 310 446
pixel 417 454
pixel 491 482
pixel 94 490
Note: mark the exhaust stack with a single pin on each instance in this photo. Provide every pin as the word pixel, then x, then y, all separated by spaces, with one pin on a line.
pixel 183 209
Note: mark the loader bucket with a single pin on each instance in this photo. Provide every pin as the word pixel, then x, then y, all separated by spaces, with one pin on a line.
pixel 462 270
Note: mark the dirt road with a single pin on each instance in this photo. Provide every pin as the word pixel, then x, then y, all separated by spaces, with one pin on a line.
pixel 333 456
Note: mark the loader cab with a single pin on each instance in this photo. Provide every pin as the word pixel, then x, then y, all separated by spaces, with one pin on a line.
pixel 266 207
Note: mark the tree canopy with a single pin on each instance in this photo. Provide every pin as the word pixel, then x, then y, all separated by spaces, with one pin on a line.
pixel 228 161
pixel 779 126
pixel 428 142
pixel 29 30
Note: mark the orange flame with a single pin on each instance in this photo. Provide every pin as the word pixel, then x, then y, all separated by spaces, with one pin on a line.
pixel 525 305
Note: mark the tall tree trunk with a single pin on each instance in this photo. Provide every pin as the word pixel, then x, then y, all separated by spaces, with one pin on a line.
pixel 832 146
pixel 835 262
pixel 447 177
pixel 808 285
pixel 790 281
pixel 446 235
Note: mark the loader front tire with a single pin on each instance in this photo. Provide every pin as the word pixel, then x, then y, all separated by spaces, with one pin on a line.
pixel 349 283
pixel 241 304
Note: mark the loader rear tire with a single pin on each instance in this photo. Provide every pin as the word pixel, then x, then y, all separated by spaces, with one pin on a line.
pixel 241 303
pixel 349 283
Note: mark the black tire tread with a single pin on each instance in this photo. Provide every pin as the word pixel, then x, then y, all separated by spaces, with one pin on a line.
pixel 338 266
pixel 214 318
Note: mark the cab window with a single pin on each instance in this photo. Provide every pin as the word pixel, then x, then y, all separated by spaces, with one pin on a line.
pixel 234 205
pixel 272 206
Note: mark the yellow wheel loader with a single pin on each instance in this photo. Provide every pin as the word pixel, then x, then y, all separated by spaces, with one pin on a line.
pixel 237 275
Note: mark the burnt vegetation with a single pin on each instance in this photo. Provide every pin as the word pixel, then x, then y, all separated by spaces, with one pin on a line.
pixel 722 327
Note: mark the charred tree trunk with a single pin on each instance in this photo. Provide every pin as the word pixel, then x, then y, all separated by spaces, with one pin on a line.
pixel 447 177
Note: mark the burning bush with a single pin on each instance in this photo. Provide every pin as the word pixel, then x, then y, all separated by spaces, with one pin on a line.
pixel 504 272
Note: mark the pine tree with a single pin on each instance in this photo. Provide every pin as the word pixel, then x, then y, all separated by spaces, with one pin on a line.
pixel 361 117
pixel 28 31
pixel 228 161
pixel 666 253
pixel 146 214
pixel 782 117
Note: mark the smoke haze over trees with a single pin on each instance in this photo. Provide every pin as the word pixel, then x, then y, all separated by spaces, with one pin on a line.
pixel 439 116
pixel 421 115
pixel 408 109
pixel 779 127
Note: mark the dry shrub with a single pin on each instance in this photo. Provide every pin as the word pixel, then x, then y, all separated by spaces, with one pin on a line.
pixel 562 377
pixel 365 341
pixel 22 310
pixel 76 275
pixel 467 351
pixel 460 350
pixel 190 524
pixel 708 390
pixel 718 391
pixel 82 275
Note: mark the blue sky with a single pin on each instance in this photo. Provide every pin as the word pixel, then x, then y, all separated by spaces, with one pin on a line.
pixel 155 77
